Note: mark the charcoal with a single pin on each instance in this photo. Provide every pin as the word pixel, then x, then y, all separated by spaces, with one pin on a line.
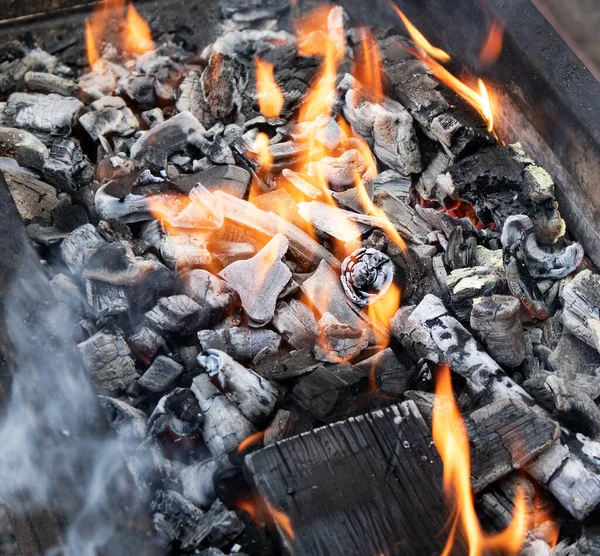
pixel 403 217
pixel 67 168
pixel 243 344
pixel 197 483
pixel 176 421
pixel 52 113
pixel 461 250
pixel 210 292
pixel 222 81
pixel 386 373
pixel 296 323
pixel 48 83
pixel 337 342
pixel 259 280
pixel 75 245
pixel 140 89
pixel 540 263
pixel 68 293
pixel 153 117
pixel 217 150
pixel 285 424
pixel 219 525
pixel 227 252
pixel 496 320
pixel 185 249
pixel 107 300
pixel 127 208
pixel 302 184
pixel 176 313
pixel 109 115
pixel 191 99
pixel 107 358
pixel 366 276
pixel 163 140
pixel 161 375
pixel 33 198
pixel 224 424
pixel 581 314
pixel 331 220
pixel 127 421
pixel 325 389
pixel 392 182
pixel 572 355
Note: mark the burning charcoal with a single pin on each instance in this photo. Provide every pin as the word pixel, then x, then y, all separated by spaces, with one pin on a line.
pixel 574 356
pixel 581 314
pixel 33 198
pixel 392 182
pixel 161 375
pixel 153 117
pixel 428 331
pixel 107 300
pixel 301 245
pixel 301 184
pixel 52 113
pixel 197 483
pixel 217 150
pixel 219 525
pixel 366 276
pixel 540 264
pixel 191 99
pixel 259 280
pixel 177 313
pixel 116 264
pixel 296 323
pixel 222 81
pixel 127 208
pixel 390 376
pixel 333 221
pixel 496 319
pixel 67 168
pixel 386 125
pixel 227 252
pixel 326 294
pixel 224 425
pixel 461 251
pixel 107 358
pixel 521 284
pixel 156 145
pixel 211 293
pixel 185 249
pixel 570 406
pixel 69 294
pixel 403 217
pixel 243 344
pixel 492 432
pixel 127 421
pixel 49 83
pixel 176 421
pixel 140 89
pixel 338 342
pixel 326 389
pixel 230 179
pixel 253 395
pixel 285 424
pixel 109 115
pixel 75 245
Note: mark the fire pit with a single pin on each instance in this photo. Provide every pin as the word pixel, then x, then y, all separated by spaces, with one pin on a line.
pixel 306 287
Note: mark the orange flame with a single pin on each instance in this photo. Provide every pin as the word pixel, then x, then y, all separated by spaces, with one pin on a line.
pixel 263 153
pixel 138 37
pixel 93 55
pixel 451 440
pixel 270 97
pixel 419 39
pixel 250 441
pixel 367 66
pixel 282 520
pixel 493 45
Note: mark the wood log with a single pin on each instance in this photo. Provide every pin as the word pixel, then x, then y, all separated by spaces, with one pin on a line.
pixel 375 493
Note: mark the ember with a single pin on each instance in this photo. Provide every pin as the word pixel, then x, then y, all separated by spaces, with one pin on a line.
pixel 272 252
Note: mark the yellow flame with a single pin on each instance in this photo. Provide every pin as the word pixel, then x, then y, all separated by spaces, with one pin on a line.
pixel 138 37
pixel 270 97
pixel 452 443
pixel 90 45
pixel 367 66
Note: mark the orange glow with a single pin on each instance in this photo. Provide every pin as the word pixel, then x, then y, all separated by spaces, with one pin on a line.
pixel 270 97
pixel 90 45
pixel 282 520
pixel 138 38
pixel 493 45
pixel 250 441
pixel 419 39
pixel 479 99
pixel 451 440
pixel 263 153
pixel 367 66
pixel 384 308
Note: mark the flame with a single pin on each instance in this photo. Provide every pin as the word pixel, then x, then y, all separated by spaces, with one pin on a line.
pixel 451 440
pixel 100 27
pixel 282 520
pixel 367 66
pixel 138 37
pixel 270 97
pixel 493 45
pixel 250 441
pixel 419 39
pixel 263 153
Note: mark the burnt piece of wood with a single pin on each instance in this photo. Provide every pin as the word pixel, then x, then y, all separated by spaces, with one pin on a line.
pixel 505 436
pixel 379 487
pixel 582 308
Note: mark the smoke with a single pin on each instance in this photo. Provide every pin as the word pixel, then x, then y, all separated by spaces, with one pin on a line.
pixel 56 449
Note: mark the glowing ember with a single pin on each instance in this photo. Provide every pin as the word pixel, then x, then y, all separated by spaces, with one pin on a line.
pixel 251 441
pixel 270 98
pixel 493 45
pixel 138 38
pixel 263 154
pixel 452 443
pixel 419 39
pixel 282 520
pixel 367 66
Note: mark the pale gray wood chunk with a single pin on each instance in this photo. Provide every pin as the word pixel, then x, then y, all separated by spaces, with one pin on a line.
pixel 296 323
pixel 73 248
pixel 33 198
pixel 24 147
pixel 161 375
pixel 259 280
pixel 242 343
pixel 581 314
pixel 109 115
pixel 177 313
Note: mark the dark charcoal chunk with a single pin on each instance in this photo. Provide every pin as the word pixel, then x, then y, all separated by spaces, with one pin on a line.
pixel 161 374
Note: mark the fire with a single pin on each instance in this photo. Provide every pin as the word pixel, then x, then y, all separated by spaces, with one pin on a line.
pixel 270 97
pixel 282 520
pixel 367 66
pixel 419 39
pixel 135 37
pixel 138 38
pixel 493 45
pixel 452 443
pixel 250 441
pixel 263 153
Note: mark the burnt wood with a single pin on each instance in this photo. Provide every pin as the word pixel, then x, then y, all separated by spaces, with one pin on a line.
pixel 368 485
